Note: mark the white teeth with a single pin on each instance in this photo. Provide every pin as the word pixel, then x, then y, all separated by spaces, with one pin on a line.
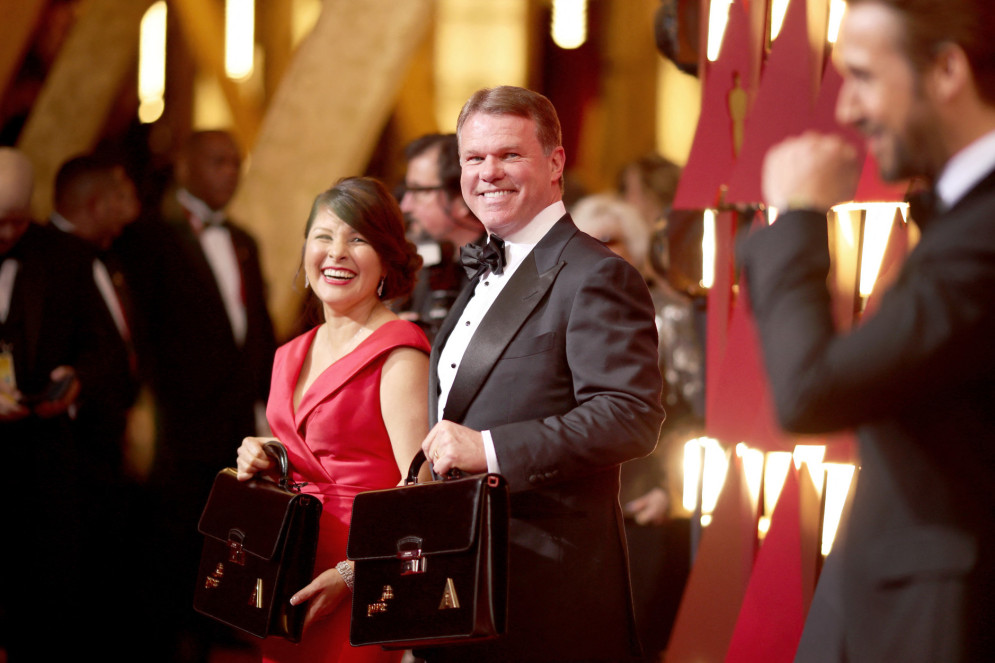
pixel 496 194
pixel 337 274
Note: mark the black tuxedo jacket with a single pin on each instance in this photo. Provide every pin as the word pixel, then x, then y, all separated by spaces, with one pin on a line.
pixel 103 407
pixel 563 373
pixel 917 381
pixel 205 384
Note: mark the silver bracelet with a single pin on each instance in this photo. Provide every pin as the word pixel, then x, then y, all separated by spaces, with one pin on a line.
pixel 348 576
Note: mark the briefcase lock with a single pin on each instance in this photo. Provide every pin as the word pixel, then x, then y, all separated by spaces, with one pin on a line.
pixel 236 553
pixel 409 551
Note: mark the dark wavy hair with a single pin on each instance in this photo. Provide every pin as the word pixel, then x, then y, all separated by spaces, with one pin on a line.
pixel 369 208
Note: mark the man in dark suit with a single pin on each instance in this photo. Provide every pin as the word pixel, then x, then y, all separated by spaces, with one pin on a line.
pixel 545 371
pixel 199 290
pixel 441 223
pixel 910 577
pixel 51 359
pixel 89 204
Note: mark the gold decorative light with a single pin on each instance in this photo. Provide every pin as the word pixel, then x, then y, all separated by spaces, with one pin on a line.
pixel 569 23
pixel 152 63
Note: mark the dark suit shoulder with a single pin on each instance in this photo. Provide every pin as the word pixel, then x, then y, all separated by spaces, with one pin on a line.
pixel 59 249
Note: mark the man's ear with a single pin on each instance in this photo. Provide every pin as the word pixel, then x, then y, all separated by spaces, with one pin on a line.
pixel 557 160
pixel 950 74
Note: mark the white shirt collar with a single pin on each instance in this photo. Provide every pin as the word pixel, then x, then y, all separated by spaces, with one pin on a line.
pixel 965 169
pixel 537 228
pixel 62 223
pixel 198 207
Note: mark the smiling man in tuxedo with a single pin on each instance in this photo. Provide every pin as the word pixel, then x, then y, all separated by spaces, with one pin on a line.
pixel 911 576
pixel 546 372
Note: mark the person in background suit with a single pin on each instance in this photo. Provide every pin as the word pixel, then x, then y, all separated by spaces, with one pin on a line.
pixel 545 371
pixel 51 360
pixel 912 575
pixel 199 291
pixel 93 201
pixel 440 222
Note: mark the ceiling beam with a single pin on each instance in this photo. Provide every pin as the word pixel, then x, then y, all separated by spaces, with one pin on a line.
pixel 322 124
pixel 80 89
pixel 20 18
pixel 203 24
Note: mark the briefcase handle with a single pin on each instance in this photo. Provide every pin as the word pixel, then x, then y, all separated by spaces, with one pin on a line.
pixel 275 450
pixel 416 464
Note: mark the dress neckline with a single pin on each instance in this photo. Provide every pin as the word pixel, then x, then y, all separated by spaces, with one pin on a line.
pixel 337 363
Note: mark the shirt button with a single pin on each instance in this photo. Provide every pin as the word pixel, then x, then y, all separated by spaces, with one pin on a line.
pixel 487 282
pixel 467 323
pixel 452 365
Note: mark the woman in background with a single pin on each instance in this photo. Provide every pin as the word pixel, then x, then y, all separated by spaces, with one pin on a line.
pixel 349 398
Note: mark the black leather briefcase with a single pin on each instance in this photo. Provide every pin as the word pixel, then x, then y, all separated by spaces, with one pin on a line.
pixel 431 562
pixel 260 539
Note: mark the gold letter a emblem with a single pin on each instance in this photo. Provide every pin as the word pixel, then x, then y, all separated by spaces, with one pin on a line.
pixel 449 598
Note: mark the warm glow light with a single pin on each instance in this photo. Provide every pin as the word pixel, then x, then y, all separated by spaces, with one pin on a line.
pixel 878 221
pixel 836 9
pixel 778 463
pixel 811 455
pixel 692 474
pixel 569 23
pixel 152 63
pixel 240 38
pixel 718 17
pixel 753 468
pixel 303 17
pixel 838 478
pixel 877 229
pixel 712 474
pixel 778 8
pixel 716 465
pixel 708 249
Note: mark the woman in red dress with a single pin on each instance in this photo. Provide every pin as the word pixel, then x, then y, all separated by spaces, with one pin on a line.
pixel 349 398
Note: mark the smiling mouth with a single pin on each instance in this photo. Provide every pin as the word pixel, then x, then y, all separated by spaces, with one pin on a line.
pixel 337 274
pixel 496 194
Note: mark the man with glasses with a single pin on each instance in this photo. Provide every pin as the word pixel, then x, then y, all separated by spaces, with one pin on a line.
pixel 440 223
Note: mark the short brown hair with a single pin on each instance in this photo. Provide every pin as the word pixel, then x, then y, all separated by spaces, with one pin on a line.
pixel 929 24
pixel 369 208
pixel 510 100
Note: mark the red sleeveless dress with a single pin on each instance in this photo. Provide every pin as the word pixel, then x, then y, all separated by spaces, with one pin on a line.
pixel 338 445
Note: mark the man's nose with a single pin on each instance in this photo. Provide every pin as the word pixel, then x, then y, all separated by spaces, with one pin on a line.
pixel 406 201
pixel 490 169
pixel 847 109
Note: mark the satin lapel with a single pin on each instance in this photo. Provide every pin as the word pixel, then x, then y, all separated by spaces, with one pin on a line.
pixel 440 342
pixel 513 306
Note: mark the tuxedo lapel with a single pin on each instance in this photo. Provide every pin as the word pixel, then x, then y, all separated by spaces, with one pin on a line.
pixel 513 306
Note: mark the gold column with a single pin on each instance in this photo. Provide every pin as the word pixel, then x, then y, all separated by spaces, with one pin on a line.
pixel 323 124
pixel 80 89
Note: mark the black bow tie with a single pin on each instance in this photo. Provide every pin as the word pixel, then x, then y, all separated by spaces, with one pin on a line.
pixel 478 259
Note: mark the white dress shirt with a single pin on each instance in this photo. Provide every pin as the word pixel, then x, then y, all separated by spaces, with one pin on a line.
pixel 484 295
pixel 8 272
pixel 216 243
